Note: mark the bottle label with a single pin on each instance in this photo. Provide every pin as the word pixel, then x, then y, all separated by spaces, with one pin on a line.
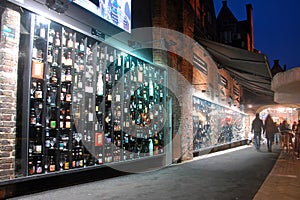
pixel 61 124
pixel 79 85
pixel 52 168
pixel 109 97
pixel 47 143
pixel 70 43
pixel 99 137
pixel 52 124
pixel 50 39
pixel 57 42
pixel 118 98
pixel 66 165
pixel 68 97
pixel 81 47
pixel 54 80
pixel 31 169
pixel 61 145
pixel 39 169
pixel 33 120
pixel 140 77
pixel 68 77
pixel 42 32
pixel 38 149
pixel 50 58
pixel 68 124
pixel 38 94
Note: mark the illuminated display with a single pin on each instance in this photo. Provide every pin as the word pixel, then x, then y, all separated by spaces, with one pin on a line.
pixel 117 12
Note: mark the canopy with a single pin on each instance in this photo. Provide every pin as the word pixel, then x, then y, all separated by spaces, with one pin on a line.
pixel 251 70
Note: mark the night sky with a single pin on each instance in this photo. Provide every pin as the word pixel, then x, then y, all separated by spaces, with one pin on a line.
pixel 276 27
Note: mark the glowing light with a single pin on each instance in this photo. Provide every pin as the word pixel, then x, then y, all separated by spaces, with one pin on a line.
pixel 42 20
pixel 281 109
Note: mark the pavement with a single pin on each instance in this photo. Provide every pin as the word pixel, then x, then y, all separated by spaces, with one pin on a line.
pixel 283 182
pixel 233 174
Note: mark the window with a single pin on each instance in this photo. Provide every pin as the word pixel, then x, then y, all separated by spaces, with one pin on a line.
pixel 236 91
pixel 227 36
pixel 200 64
pixel 224 82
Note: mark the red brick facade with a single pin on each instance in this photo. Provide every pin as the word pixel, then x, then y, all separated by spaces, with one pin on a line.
pixel 182 21
pixel 9 45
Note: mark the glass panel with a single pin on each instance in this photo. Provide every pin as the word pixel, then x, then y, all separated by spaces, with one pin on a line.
pixel 89 103
pixel 214 124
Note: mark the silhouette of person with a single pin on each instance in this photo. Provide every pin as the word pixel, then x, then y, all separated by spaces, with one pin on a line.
pixel 270 129
pixel 256 129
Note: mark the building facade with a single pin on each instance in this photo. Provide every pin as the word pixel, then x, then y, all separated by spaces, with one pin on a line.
pixel 81 95
pixel 233 32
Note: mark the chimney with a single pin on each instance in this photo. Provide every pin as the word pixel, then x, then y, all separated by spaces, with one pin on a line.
pixel 250 26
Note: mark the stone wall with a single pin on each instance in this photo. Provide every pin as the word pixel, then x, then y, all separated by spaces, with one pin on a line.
pixel 9 48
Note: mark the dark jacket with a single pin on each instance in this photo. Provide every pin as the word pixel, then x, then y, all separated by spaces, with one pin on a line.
pixel 270 129
pixel 257 125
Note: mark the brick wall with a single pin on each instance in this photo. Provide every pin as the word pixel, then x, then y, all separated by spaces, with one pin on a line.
pixel 9 44
pixel 182 21
pixel 164 17
pixel 230 90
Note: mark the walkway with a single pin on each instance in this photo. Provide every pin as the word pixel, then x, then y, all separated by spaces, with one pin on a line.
pixel 225 175
pixel 283 182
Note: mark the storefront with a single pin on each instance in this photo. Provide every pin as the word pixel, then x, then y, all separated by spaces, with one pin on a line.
pixel 282 112
pixel 216 125
pixel 79 104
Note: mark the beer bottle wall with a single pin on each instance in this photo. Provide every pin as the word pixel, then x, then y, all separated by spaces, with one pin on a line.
pixel 90 103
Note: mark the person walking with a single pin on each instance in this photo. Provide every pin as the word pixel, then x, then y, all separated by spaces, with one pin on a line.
pixel 297 138
pixel 256 129
pixel 277 135
pixel 270 129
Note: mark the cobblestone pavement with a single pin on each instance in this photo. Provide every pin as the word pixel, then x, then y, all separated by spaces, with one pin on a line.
pixel 283 182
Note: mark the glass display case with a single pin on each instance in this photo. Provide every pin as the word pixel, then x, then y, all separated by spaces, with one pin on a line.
pixel 214 124
pixel 90 103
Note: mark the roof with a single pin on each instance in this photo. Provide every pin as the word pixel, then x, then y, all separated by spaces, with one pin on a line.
pixel 225 13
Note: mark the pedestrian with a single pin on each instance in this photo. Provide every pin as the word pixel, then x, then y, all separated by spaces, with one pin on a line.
pixel 270 129
pixel 277 136
pixel 294 127
pixel 285 130
pixel 256 129
pixel 297 138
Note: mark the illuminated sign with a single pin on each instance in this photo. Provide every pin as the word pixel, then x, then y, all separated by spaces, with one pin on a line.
pixel 117 12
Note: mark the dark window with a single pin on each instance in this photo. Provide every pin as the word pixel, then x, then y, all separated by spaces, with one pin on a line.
pixel 200 64
pixel 224 82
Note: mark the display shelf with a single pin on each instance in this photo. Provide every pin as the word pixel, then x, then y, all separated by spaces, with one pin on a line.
pixel 90 103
